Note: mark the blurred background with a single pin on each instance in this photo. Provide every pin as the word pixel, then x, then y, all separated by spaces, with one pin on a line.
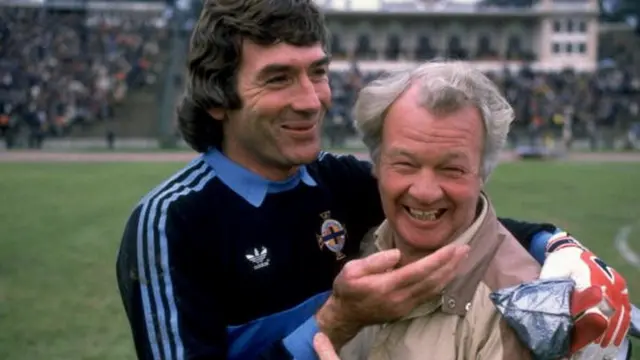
pixel 109 73
pixel 88 90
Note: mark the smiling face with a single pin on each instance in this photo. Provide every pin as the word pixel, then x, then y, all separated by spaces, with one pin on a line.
pixel 285 94
pixel 429 173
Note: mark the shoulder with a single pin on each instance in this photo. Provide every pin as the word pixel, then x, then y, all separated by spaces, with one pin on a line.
pixel 342 164
pixel 490 335
pixel 180 191
pixel 511 265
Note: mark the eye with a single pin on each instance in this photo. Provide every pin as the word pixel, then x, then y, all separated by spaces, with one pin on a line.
pixel 453 171
pixel 320 72
pixel 277 80
pixel 403 165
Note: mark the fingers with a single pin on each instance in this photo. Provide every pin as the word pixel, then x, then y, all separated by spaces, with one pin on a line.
pixel 377 263
pixel 585 299
pixel 422 280
pixel 433 268
pixel 323 347
pixel 434 283
pixel 624 326
pixel 614 323
pixel 587 329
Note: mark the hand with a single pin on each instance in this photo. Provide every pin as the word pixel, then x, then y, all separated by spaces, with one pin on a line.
pixel 373 291
pixel 600 302
pixel 323 347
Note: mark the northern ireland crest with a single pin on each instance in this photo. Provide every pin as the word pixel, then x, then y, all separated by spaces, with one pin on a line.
pixel 333 235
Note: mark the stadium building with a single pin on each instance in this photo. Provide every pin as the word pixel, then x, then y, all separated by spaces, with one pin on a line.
pixel 550 35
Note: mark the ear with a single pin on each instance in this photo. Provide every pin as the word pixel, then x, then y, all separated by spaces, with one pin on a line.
pixel 217 113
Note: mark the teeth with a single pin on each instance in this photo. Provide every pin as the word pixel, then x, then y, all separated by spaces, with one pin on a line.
pixel 424 215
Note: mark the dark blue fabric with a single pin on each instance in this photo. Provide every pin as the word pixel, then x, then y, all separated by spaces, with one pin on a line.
pixel 248 340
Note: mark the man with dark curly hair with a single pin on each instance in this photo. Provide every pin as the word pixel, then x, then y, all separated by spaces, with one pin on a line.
pixel 252 248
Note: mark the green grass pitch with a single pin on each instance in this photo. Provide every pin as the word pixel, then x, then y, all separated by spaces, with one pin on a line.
pixel 61 226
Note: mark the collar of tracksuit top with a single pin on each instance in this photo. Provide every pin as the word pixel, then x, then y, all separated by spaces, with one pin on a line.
pixel 251 186
pixel 461 290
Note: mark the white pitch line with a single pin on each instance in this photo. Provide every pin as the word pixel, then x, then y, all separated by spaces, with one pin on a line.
pixel 622 244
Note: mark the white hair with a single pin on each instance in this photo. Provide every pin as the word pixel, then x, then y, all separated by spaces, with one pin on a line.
pixel 445 87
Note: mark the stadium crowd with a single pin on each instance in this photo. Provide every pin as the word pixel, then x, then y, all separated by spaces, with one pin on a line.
pixel 61 70
pixel 563 105
pixel 599 106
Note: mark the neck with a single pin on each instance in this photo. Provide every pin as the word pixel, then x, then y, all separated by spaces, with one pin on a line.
pixel 269 170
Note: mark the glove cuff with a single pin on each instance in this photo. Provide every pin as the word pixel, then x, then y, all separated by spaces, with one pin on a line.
pixel 562 240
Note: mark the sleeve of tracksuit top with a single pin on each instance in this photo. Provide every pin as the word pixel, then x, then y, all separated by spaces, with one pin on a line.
pixel 533 236
pixel 171 314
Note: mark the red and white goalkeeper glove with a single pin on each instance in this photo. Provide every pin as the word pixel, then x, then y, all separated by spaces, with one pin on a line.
pixel 600 301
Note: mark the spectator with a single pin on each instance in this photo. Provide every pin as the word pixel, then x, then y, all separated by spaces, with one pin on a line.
pixel 64 69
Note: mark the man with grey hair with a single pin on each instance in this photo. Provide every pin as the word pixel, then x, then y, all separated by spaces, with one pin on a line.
pixel 434 135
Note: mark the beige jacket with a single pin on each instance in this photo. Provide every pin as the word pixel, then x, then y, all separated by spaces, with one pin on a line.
pixel 463 324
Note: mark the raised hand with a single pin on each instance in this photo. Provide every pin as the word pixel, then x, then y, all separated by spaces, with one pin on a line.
pixel 373 290
pixel 600 302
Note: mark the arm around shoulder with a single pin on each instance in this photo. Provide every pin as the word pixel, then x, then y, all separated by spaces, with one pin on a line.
pixel 532 236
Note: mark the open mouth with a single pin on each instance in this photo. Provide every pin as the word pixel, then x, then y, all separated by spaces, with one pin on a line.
pixel 425 215
pixel 299 127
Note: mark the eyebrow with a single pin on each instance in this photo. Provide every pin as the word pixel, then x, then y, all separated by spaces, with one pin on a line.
pixel 447 157
pixel 277 68
pixel 322 61
pixel 401 152
pixel 454 156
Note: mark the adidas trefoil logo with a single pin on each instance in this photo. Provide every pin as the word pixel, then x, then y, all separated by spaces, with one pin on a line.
pixel 259 258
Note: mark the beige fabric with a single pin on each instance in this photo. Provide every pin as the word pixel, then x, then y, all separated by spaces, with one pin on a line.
pixel 463 323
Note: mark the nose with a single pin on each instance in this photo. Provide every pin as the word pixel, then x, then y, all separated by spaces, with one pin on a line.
pixel 306 97
pixel 425 188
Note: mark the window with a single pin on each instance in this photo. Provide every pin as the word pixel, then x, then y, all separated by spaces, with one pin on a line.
pixel 582 48
pixel 514 48
pixel 364 49
pixel 424 42
pixel 455 50
pixel 454 42
pixel 424 51
pixel 582 26
pixel 336 46
pixel 568 48
pixel 555 48
pixel 557 26
pixel 570 26
pixel 393 49
pixel 483 47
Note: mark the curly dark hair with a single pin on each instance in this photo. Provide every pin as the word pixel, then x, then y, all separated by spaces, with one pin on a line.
pixel 215 54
